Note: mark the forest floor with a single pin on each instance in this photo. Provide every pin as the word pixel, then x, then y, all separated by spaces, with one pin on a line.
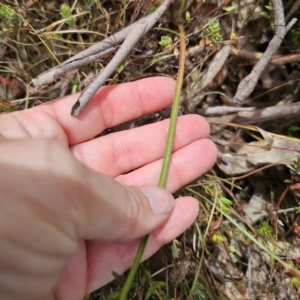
pixel 245 243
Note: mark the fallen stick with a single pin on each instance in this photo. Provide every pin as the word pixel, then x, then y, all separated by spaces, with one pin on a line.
pixel 248 84
pixel 251 115
pixel 129 36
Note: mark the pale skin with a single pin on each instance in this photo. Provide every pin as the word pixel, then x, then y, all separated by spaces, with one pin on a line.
pixel 73 208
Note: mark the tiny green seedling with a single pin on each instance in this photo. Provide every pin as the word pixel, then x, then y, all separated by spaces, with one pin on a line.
pixel 292 130
pixel 267 14
pixel 231 8
pixel 296 281
pixel 152 10
pixel 295 165
pixel 188 17
pixel 213 31
pixel 217 238
pixel 265 229
pixel 7 12
pixel 66 13
pixel 8 17
pixel 175 249
pixel 199 291
pixel 232 253
pixel 165 41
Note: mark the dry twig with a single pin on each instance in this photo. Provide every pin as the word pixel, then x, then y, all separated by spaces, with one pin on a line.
pixel 247 85
pixel 278 60
pixel 129 36
pixel 268 113
pixel 250 115
pixel 293 10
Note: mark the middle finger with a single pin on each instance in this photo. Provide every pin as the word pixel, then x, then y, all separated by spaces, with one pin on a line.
pixel 124 151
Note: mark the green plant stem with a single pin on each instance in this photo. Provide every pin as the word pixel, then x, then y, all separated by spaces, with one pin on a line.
pixel 166 161
pixel 174 114
pixel 200 261
pixel 124 12
pixel 181 9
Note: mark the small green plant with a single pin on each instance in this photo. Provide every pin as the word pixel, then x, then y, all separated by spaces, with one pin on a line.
pixel 293 37
pixel 267 14
pixel 213 31
pixel 188 17
pixel 224 204
pixel 265 229
pixel 199 291
pixel 295 165
pixel 296 281
pixel 175 249
pixel 232 253
pixel 66 13
pixel 292 130
pixel 8 17
pixel 231 8
pixel 217 238
pixel 152 10
pixel 7 12
pixel 156 286
pixel 165 41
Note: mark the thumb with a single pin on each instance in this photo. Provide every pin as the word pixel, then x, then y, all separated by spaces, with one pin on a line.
pixel 117 212
pixel 49 200
pixel 81 202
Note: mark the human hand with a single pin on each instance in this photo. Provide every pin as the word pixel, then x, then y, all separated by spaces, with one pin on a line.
pixel 65 224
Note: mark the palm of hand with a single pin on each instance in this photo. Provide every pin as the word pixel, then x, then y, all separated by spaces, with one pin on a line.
pixel 133 157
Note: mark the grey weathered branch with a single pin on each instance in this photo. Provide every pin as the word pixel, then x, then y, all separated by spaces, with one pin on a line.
pixel 247 85
pixel 251 115
pixel 129 36
pixel 268 113
pixel 222 110
pixel 293 10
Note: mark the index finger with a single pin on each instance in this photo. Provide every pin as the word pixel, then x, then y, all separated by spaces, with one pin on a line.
pixel 111 105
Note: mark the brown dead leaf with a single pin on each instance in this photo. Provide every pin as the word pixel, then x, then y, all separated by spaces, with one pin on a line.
pixel 273 149
pixel 215 66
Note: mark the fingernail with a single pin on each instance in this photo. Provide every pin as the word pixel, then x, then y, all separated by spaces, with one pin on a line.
pixel 160 200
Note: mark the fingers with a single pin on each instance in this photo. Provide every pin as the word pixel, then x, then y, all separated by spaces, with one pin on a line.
pixel 187 164
pixel 118 257
pixel 122 152
pixel 111 106
pixel 141 150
